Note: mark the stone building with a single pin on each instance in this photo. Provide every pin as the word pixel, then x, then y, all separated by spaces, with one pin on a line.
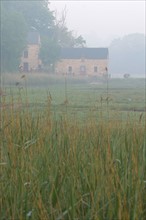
pixel 30 58
pixel 83 61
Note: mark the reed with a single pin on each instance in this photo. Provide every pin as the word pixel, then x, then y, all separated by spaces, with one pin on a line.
pixel 56 168
pixel 60 169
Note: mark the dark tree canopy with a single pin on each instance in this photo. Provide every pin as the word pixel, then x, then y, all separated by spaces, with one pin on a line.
pixel 13 39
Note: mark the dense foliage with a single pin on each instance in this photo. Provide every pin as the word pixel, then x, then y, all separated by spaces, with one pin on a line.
pixel 13 39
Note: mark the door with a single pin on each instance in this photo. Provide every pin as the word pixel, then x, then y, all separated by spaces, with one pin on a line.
pixel 25 67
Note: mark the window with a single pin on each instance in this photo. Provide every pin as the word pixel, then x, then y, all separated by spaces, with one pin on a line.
pixel 25 54
pixel 82 69
pixel 95 69
pixel 70 69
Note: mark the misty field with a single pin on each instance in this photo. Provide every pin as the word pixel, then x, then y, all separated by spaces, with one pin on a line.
pixel 73 149
pixel 77 94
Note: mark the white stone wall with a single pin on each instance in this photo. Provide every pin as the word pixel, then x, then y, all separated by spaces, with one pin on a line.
pixel 33 57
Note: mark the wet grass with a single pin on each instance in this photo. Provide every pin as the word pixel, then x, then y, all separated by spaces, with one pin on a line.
pixel 53 167
pixel 116 94
pixel 72 161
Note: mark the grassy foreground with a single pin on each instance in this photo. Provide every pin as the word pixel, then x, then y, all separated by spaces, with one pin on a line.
pixel 56 168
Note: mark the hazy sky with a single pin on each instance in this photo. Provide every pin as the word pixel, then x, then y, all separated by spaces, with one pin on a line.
pixel 101 21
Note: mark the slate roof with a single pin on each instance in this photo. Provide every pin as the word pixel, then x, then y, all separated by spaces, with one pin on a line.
pixel 33 37
pixel 86 53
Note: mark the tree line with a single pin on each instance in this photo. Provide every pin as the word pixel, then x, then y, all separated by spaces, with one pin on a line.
pixel 127 55
pixel 18 18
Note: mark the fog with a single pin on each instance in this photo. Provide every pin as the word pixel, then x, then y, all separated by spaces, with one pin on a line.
pixel 99 22
pixel 118 25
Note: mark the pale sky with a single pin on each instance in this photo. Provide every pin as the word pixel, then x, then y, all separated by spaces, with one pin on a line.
pixel 99 22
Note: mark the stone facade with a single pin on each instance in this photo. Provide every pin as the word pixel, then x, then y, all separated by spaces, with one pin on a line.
pixel 89 67
pixel 83 61
pixel 72 61
pixel 30 58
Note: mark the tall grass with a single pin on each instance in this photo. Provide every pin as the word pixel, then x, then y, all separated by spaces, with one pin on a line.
pixel 55 168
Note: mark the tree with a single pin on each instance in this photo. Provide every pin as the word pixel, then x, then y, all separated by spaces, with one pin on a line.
pixel 13 39
pixel 18 17
pixel 79 42
pixel 49 52
pixel 127 55
pixel 60 37
pixel 35 13
pixel 65 37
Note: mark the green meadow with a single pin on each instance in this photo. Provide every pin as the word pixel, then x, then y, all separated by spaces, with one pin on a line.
pixel 72 148
pixel 78 94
